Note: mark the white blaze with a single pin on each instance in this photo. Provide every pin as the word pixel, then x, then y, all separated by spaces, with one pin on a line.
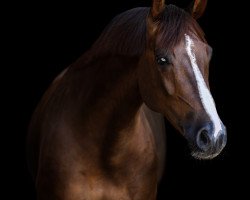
pixel 205 95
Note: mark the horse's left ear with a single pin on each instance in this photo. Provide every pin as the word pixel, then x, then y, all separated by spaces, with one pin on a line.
pixel 197 8
pixel 157 8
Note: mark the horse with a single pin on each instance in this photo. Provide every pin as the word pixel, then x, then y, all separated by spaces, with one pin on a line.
pixel 98 132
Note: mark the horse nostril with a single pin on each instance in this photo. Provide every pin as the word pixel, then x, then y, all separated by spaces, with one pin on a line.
pixel 203 137
pixel 221 141
pixel 203 140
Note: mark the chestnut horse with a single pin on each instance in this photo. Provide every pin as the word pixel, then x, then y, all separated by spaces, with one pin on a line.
pixel 98 132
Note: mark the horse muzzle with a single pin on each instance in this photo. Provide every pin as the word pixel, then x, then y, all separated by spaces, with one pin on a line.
pixel 206 144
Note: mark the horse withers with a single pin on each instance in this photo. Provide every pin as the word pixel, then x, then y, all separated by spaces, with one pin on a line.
pixel 98 132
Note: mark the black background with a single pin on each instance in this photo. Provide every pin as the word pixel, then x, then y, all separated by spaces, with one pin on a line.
pixel 44 38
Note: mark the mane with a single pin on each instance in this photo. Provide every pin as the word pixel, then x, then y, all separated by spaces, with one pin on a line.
pixel 126 34
pixel 174 23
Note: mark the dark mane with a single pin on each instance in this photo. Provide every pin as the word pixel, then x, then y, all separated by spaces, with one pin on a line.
pixel 126 34
pixel 175 22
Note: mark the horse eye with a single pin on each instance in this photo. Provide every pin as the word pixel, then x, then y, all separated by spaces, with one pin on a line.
pixel 162 60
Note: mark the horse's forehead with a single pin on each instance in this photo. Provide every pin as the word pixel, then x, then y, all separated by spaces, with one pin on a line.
pixel 197 42
pixel 199 47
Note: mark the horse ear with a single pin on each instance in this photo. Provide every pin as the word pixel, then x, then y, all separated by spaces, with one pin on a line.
pixel 157 8
pixel 197 8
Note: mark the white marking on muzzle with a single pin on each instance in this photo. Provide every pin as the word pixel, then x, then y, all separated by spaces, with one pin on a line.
pixel 205 95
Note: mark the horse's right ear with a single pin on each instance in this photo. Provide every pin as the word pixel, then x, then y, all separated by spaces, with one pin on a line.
pixel 157 8
pixel 197 8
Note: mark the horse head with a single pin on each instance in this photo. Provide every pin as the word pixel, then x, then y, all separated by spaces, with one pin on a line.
pixel 173 76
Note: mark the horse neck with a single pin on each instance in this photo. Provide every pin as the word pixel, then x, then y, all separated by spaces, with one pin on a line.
pixel 114 99
pixel 112 116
